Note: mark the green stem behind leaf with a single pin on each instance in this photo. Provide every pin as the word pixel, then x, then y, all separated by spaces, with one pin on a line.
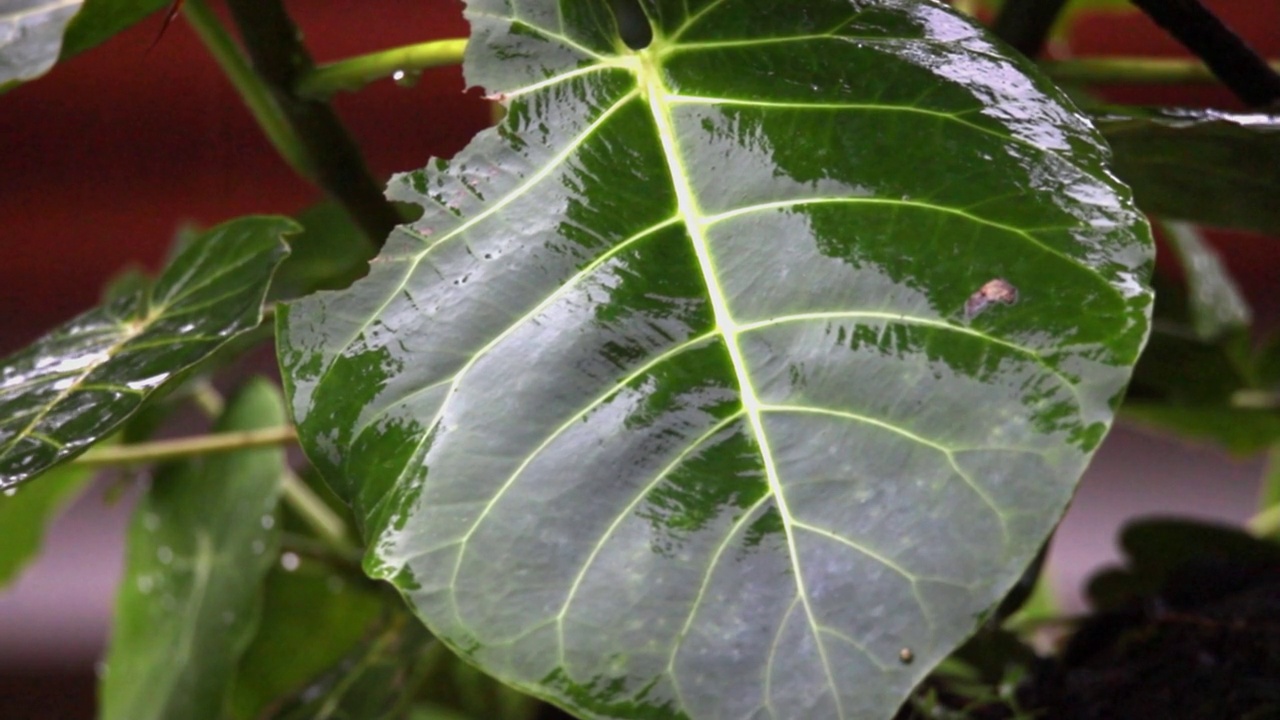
pixel 317 515
pixel 354 73
pixel 279 58
pixel 1025 24
pixel 257 97
pixel 162 450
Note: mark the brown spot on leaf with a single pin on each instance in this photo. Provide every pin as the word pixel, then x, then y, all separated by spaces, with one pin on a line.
pixel 998 290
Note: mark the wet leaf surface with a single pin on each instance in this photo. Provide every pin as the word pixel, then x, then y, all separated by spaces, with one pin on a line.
pixel 670 406
pixel 78 383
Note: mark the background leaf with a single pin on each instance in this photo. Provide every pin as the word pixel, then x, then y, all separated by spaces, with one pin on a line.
pixel 78 383
pixel 700 389
pixel 25 515
pixel 376 681
pixel 31 36
pixel 329 253
pixel 102 19
pixel 311 618
pixel 1206 166
pixel 201 540
pixel 1215 303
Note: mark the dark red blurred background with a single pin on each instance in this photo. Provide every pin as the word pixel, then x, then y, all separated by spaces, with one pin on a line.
pixel 107 155
pixel 103 159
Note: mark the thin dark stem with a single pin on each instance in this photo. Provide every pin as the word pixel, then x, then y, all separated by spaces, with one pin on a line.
pixel 1236 64
pixel 1025 24
pixel 275 47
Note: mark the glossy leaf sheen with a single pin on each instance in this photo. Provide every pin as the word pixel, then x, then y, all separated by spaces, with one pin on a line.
pixel 31 36
pixel 77 384
pixel 199 545
pixel 1205 166
pixel 670 406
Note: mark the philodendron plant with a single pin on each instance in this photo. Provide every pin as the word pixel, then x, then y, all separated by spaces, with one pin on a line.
pixel 740 371
pixel 736 375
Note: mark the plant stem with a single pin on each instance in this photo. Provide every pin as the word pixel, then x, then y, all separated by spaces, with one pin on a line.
pixel 1265 524
pixel 1025 24
pixel 278 56
pixel 354 73
pixel 1235 63
pixel 207 398
pixel 317 515
pixel 160 450
pixel 1132 70
pixel 257 97
pixel 1269 495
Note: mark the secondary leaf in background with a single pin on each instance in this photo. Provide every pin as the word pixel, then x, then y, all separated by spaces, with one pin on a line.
pixel 1206 166
pixel 1240 431
pixel 201 540
pixel 1203 389
pixel 376 681
pixel 25 513
pixel 78 383
pixel 432 712
pixel 31 36
pixel 329 253
pixel 1214 302
pixel 671 406
pixel 102 19
pixel 311 618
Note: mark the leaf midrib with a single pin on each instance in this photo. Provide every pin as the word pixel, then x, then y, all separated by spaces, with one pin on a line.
pixel 649 77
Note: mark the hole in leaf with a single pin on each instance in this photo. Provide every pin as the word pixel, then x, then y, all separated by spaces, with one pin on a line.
pixel 633 26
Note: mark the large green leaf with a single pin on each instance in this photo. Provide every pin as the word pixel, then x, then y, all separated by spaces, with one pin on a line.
pixel 81 381
pixel 31 36
pixel 1206 166
pixel 199 545
pixel 700 389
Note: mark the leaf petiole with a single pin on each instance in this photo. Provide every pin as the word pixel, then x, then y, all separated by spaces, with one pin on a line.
pixel 160 450
pixel 354 73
